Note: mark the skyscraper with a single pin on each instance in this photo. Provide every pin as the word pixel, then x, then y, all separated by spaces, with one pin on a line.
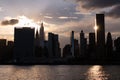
pixel 53 45
pixel 72 43
pixel 37 39
pixel 42 35
pixel 76 48
pixel 100 22
pixel 82 43
pixel 109 45
pixel 92 45
pixel 23 44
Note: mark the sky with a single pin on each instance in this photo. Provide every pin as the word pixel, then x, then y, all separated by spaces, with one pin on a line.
pixel 59 16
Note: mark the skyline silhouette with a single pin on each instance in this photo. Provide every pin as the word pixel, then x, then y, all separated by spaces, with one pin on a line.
pixel 30 47
pixel 59 17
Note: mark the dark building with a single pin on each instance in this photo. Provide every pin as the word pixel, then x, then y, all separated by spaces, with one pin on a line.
pixel 67 51
pixel 76 48
pixel 100 22
pixel 3 42
pixel 92 45
pixel 2 49
pixel 42 36
pixel 83 43
pixel 9 51
pixel 72 43
pixel 53 45
pixel 117 45
pixel 117 49
pixel 10 43
pixel 109 46
pixel 37 39
pixel 23 44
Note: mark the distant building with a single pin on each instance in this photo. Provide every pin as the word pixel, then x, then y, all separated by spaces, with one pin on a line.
pixel 53 45
pixel 37 39
pixel 23 44
pixel 76 48
pixel 42 36
pixel 117 45
pixel 92 45
pixel 109 46
pixel 72 43
pixel 10 43
pixel 83 43
pixel 67 51
pixel 100 35
pixel 2 49
pixel 3 42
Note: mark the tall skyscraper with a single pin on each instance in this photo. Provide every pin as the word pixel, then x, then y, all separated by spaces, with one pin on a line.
pixel 76 48
pixel 72 43
pixel 53 45
pixel 109 45
pixel 23 44
pixel 92 45
pixel 82 43
pixel 42 35
pixel 100 22
pixel 37 39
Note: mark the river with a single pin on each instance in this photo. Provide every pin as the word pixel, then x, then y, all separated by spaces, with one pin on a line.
pixel 60 72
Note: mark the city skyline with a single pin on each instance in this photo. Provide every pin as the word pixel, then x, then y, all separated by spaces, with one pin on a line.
pixel 31 47
pixel 60 17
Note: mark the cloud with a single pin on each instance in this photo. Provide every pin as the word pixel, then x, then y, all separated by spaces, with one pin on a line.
pixel 115 12
pixel 1 9
pixel 93 4
pixel 48 17
pixel 65 17
pixel 10 22
pixel 100 6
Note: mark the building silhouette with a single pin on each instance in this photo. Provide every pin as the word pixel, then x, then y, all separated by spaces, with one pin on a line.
pixel 72 43
pixel 76 49
pixel 53 45
pixel 23 44
pixel 2 49
pixel 117 45
pixel 67 51
pixel 42 36
pixel 109 46
pixel 3 42
pixel 100 22
pixel 37 39
pixel 92 45
pixel 83 43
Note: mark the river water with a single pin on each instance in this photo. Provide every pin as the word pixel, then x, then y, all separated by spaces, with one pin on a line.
pixel 60 72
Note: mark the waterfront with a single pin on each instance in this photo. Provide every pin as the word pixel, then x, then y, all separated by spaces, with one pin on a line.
pixel 59 72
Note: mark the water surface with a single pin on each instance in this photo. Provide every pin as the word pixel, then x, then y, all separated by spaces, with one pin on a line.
pixel 59 72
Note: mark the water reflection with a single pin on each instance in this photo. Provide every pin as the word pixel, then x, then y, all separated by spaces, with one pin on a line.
pixel 96 73
pixel 60 72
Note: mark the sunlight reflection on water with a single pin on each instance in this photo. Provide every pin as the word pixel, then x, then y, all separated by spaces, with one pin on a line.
pixel 59 72
pixel 96 73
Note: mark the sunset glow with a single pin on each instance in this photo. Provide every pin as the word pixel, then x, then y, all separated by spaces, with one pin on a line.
pixel 24 21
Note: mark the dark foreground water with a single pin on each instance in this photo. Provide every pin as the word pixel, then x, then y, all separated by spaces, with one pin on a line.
pixel 60 72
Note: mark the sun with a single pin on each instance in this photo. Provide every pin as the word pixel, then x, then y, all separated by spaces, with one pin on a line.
pixel 95 27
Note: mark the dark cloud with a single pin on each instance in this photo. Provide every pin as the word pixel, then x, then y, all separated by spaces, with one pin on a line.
pixel 10 22
pixel 100 4
pixel 93 4
pixel 115 12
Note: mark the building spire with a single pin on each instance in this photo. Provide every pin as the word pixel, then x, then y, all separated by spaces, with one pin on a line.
pixel 42 35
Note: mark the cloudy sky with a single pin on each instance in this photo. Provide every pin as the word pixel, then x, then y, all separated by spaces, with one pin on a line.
pixel 59 16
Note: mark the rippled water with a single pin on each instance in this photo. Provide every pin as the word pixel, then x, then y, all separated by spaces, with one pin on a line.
pixel 59 72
